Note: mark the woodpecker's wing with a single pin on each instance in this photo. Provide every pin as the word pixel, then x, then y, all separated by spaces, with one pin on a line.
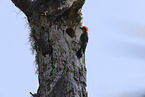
pixel 84 38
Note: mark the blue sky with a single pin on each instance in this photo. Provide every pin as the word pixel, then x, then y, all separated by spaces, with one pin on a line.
pixel 115 55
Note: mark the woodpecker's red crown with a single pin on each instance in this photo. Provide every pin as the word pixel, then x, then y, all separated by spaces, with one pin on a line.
pixel 85 29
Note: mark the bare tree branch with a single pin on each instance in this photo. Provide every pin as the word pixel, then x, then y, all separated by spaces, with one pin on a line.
pixel 24 5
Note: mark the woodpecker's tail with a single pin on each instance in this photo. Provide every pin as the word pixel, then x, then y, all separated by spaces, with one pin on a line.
pixel 79 53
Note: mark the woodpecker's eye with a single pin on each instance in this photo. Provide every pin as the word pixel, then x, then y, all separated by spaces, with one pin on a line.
pixel 70 32
pixel 85 29
pixel 82 28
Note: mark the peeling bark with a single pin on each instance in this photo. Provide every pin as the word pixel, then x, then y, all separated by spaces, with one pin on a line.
pixel 60 74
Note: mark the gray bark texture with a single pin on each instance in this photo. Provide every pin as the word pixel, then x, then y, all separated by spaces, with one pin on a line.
pixel 56 22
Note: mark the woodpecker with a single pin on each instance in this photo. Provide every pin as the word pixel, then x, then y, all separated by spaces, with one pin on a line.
pixel 42 45
pixel 83 41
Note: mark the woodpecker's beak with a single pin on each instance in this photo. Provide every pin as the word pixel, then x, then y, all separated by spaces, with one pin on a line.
pixel 81 28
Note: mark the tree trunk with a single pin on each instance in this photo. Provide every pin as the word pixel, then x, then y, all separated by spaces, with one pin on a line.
pixel 55 23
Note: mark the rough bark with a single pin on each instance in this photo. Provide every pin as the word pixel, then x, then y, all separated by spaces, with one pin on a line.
pixel 61 73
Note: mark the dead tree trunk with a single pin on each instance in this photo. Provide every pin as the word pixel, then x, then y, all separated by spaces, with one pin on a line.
pixel 54 35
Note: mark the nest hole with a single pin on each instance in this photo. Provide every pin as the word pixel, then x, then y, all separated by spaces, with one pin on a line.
pixel 71 32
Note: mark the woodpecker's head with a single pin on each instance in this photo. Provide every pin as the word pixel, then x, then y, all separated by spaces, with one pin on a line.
pixel 84 29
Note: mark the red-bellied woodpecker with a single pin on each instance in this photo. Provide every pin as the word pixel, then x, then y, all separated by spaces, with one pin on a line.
pixel 44 47
pixel 83 41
